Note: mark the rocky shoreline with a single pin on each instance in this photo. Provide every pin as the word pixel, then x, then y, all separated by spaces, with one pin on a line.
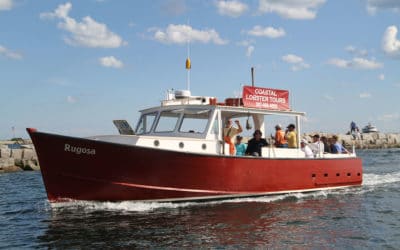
pixel 363 141
pixel 20 155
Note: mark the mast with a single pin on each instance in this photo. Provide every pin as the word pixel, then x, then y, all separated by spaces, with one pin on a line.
pixel 188 63
pixel 252 76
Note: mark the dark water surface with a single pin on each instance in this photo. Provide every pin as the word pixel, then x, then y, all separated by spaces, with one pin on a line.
pixel 352 218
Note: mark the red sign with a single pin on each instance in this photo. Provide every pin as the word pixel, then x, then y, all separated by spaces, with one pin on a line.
pixel 276 99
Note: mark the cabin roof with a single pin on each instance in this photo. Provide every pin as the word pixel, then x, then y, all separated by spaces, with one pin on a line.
pixel 228 109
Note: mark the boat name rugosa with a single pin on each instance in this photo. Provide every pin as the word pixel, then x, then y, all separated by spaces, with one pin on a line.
pixel 79 150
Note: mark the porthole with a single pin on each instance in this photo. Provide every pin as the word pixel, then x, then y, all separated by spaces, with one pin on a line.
pixel 348 174
pixel 181 145
pixel 337 174
pixel 204 146
pixel 313 175
pixel 325 175
pixel 156 143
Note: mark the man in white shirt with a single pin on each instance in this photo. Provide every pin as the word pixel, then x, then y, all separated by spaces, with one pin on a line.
pixel 317 146
pixel 306 149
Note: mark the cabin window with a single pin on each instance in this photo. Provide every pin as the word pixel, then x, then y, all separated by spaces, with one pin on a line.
pixel 194 121
pixel 167 121
pixel 145 123
pixel 215 126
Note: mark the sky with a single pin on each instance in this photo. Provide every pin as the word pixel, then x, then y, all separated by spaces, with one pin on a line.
pixel 71 67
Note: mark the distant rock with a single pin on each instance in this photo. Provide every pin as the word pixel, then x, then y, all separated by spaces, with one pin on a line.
pixel 366 140
pixel 17 157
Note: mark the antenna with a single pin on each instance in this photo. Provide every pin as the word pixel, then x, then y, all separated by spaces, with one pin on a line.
pixel 252 76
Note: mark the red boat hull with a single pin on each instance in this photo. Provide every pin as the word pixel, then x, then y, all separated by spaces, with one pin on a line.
pixel 83 169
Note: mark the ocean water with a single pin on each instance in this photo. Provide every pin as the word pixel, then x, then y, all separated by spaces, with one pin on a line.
pixel 367 217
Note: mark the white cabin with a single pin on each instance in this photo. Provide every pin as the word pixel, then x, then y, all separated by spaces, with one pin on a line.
pixel 195 125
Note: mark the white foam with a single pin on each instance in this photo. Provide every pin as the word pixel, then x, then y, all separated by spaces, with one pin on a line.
pixel 127 206
pixel 380 179
pixel 133 206
pixel 369 183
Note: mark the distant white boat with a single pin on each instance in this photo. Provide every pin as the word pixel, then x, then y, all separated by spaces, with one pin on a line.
pixel 369 129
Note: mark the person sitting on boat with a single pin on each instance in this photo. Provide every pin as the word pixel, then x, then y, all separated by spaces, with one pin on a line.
pixel 317 146
pixel 338 148
pixel 229 134
pixel 306 149
pixel 280 141
pixel 255 144
pixel 290 136
pixel 327 148
pixel 240 147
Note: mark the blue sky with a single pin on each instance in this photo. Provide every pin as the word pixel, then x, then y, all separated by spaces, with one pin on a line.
pixel 71 67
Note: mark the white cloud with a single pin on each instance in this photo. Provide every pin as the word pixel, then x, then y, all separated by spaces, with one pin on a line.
pixel 290 58
pixel 365 95
pixel 174 7
pixel 181 34
pixel 246 43
pixel 111 62
pixel 356 63
pixel 297 62
pixel 389 117
pixel 71 99
pixel 381 77
pixel 390 42
pixel 249 51
pixel 249 44
pixel 266 32
pixel 232 8
pixel 329 98
pixel 87 33
pixel 6 5
pixel 292 9
pixel 357 52
pixel 10 54
pixel 374 5
pixel 340 63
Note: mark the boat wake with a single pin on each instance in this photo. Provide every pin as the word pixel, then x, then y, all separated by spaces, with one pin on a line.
pixel 371 182
pixel 380 179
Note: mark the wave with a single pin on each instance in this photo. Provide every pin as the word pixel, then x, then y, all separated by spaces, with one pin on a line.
pixel 380 179
pixel 134 206
pixel 371 181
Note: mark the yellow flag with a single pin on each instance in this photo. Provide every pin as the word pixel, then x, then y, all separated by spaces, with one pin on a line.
pixel 188 64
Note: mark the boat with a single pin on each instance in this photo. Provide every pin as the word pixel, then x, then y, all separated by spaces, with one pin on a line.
pixel 177 153
pixel 369 129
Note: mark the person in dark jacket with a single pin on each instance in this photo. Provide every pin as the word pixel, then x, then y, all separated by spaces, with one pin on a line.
pixel 255 144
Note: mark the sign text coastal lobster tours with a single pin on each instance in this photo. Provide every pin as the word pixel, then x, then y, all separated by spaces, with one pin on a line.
pixel 265 98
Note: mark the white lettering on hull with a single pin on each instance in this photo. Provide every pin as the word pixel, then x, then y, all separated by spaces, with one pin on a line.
pixel 79 150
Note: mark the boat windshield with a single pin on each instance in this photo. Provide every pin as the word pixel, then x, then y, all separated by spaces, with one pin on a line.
pixel 194 121
pixel 178 121
pixel 145 123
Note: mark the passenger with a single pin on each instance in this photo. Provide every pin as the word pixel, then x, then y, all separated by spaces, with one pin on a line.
pixel 290 136
pixel 255 144
pixel 306 149
pixel 229 134
pixel 358 134
pixel 352 127
pixel 330 143
pixel 240 147
pixel 327 148
pixel 280 141
pixel 337 147
pixel 317 146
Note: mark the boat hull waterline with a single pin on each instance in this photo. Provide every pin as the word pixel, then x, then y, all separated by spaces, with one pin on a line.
pixel 84 169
